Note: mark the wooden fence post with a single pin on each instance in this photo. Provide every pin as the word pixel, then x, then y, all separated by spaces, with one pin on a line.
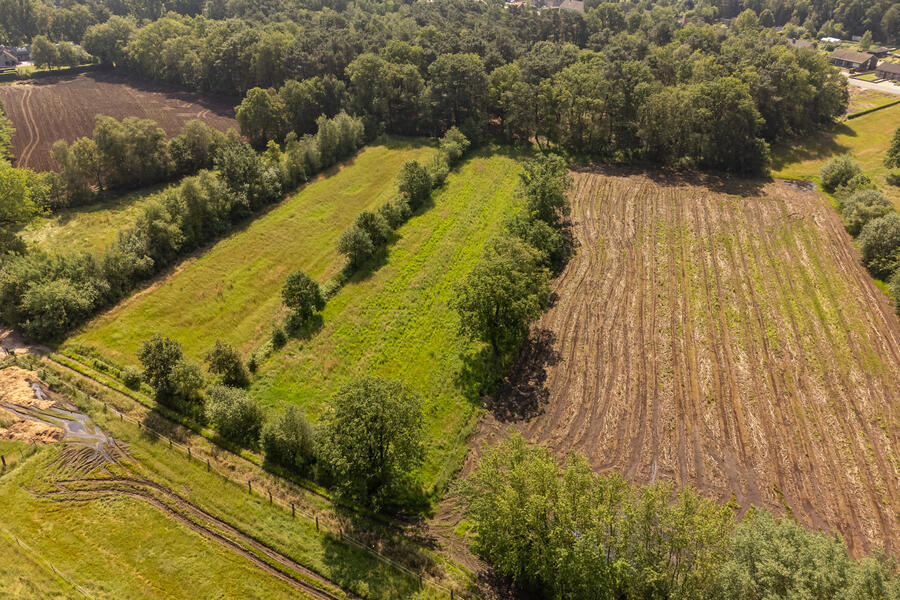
pixel 249 487
pixel 293 514
pixel 270 496
pixel 3 458
pixel 317 522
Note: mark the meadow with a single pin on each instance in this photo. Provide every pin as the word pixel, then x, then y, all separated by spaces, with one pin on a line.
pixel 92 227
pixel 396 321
pixel 111 533
pixel 233 291
pixel 392 319
pixel 865 138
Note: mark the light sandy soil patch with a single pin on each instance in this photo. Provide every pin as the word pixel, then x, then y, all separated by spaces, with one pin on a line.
pixel 722 335
pixel 16 391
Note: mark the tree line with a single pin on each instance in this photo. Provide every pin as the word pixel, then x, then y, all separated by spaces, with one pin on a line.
pixel 614 83
pixel 131 153
pixel 566 532
pixel 47 294
pixel 869 215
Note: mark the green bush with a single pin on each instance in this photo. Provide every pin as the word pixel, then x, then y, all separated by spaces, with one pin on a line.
pixel 235 414
pixel 131 377
pixel 895 289
pixel 880 244
pixel 838 171
pixel 863 206
pixel 289 441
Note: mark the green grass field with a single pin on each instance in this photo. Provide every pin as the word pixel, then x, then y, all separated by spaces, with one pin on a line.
pixel 90 228
pixel 396 321
pixel 118 546
pixel 862 99
pixel 233 291
pixel 865 138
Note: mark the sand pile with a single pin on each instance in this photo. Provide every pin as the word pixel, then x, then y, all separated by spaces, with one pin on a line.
pixel 17 388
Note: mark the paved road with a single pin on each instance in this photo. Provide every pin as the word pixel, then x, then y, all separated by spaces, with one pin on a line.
pixel 889 88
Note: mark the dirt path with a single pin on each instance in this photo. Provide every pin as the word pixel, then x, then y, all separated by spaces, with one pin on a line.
pixel 205 524
pixel 723 334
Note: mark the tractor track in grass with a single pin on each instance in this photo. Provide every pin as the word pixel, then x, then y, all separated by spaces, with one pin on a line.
pixel 723 334
pixel 203 523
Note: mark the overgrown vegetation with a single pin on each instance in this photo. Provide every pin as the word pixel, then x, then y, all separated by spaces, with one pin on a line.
pixel 567 532
pixel 869 216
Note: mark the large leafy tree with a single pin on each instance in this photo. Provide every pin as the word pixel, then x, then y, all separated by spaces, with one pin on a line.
pixel 506 290
pixel 458 90
pixel 302 295
pixel 261 115
pixel 372 439
pixel 20 193
pixel 225 361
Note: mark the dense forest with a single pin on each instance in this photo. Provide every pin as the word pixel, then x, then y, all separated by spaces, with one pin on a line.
pixel 621 82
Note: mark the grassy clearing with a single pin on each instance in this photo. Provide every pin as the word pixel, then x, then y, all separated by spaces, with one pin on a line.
pixel 122 547
pixel 866 138
pixel 233 291
pixel 93 227
pixel 396 322
pixel 863 99
pixel 119 547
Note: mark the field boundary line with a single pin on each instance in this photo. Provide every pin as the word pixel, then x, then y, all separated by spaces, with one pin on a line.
pixel 313 518
pixel 47 564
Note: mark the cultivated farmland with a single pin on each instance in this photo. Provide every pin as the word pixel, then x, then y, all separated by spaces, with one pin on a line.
pixel 51 109
pixel 721 335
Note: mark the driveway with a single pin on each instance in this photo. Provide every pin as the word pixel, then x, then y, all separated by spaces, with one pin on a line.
pixel 887 87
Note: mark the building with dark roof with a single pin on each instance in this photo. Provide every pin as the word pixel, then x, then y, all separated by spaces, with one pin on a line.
pixel 853 60
pixel 888 70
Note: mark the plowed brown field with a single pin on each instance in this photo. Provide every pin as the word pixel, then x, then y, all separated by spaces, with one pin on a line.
pixel 51 109
pixel 724 338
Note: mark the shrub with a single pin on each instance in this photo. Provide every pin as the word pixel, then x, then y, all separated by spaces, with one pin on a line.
pixel 279 338
pixel 225 361
pixel 187 381
pixel 289 441
pixel 838 171
pixel 235 414
pixel 864 206
pixel 895 289
pixel 880 244
pixel 454 144
pixel 159 355
pixel 375 225
pixel 131 377
pixel 414 183
pixel 302 295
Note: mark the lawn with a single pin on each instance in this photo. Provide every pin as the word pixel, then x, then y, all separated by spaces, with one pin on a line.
pixel 93 227
pixel 396 322
pixel 865 138
pixel 122 547
pixel 863 99
pixel 233 291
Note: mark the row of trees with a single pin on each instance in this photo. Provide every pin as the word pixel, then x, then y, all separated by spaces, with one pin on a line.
pixel 131 153
pixel 372 229
pixel 820 18
pixel 569 533
pixel 48 294
pixel 868 215
pixel 611 84
pixel 365 448
pixel 510 286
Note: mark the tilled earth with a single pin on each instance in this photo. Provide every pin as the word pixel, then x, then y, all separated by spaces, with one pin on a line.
pixel 46 110
pixel 722 335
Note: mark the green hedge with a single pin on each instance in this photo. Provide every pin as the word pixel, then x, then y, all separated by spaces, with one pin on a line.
pixel 871 110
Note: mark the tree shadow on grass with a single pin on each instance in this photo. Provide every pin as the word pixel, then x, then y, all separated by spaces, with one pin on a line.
pixel 816 146
pixel 359 571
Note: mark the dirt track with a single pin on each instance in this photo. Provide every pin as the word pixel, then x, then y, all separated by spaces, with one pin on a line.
pixel 729 342
pixel 51 109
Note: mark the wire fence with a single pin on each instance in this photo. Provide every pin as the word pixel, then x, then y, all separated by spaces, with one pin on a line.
pixel 276 501
pixel 29 550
